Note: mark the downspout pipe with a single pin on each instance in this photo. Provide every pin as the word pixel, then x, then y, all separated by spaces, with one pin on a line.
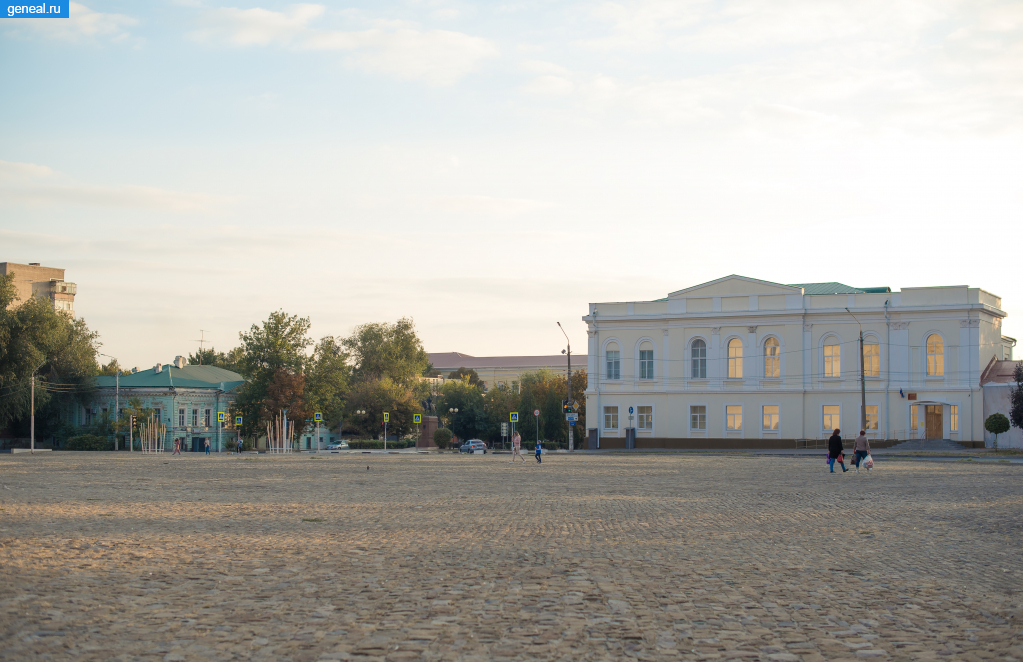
pixel 888 355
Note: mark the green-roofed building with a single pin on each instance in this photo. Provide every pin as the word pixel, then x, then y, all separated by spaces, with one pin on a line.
pixel 187 399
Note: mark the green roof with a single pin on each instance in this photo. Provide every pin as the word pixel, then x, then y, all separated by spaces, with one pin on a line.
pixel 191 376
pixel 838 288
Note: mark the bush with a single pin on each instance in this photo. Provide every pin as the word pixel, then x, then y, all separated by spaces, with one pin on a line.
pixel 89 442
pixel 378 444
pixel 997 424
pixel 442 437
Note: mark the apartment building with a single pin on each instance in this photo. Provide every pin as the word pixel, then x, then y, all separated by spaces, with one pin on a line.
pixel 508 370
pixel 34 280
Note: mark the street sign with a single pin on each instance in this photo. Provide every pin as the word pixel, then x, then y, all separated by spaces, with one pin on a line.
pixel 513 417
pixel 221 417
pixel 318 417
pixel 536 412
pixel 385 417
pixel 575 405
pixel 572 422
pixel 572 418
pixel 417 418
pixel 630 410
pixel 238 420
pixel 504 429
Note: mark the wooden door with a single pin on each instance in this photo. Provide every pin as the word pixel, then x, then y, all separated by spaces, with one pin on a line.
pixel 933 421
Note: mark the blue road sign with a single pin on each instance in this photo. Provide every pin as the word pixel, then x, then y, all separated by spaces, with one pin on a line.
pixel 385 417
pixel 630 410
pixel 513 417
pixel 417 418
pixel 318 416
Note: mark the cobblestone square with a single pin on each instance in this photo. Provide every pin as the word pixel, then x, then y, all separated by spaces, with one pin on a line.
pixel 444 557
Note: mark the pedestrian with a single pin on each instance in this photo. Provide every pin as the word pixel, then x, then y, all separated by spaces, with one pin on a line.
pixel 177 446
pixel 835 452
pixel 861 449
pixel 207 446
pixel 538 452
pixel 517 444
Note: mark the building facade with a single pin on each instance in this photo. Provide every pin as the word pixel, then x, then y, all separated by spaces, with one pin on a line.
pixel 997 384
pixel 741 359
pixel 508 370
pixel 33 280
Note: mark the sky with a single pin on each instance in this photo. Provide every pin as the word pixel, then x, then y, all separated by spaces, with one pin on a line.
pixel 489 169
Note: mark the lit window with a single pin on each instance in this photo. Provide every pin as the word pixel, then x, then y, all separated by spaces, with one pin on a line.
pixel 871 359
pixel 770 417
pixel 871 414
pixel 698 417
pixel 832 359
pixel 771 358
pixel 645 418
pixel 936 365
pixel 735 358
pixel 612 360
pixel 734 417
pixel 646 363
pixel 913 418
pixel 699 360
pixel 611 418
pixel 954 418
pixel 830 417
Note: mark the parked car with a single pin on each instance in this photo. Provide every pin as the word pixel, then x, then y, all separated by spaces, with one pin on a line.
pixel 472 446
pixel 340 446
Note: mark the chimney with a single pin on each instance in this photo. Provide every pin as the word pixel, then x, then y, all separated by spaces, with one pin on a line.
pixel 135 369
pixel 159 367
pixel 179 362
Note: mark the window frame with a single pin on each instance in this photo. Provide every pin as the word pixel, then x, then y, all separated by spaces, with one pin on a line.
pixel 649 430
pixel 195 417
pixel 867 416
pixel 734 363
pixel 690 415
pixel 700 362
pixel 182 412
pixel 937 368
pixel 778 418
pixel 725 418
pixel 877 359
pixel 831 363
pixel 608 362
pixel 776 360
pixel 954 419
pixel 839 416
pixel 604 417
pixel 645 366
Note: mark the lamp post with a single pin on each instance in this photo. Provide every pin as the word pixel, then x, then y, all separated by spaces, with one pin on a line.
pixel 359 412
pixel 117 393
pixel 863 396
pixel 568 377
pixel 451 418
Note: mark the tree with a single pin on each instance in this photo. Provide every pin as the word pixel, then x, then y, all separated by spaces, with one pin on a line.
pixel 327 374
pixel 442 437
pixel 471 421
pixel 110 369
pixel 230 360
pixel 997 424
pixel 498 403
pixel 382 350
pixel 468 374
pixel 286 392
pixel 383 395
pixel 1015 395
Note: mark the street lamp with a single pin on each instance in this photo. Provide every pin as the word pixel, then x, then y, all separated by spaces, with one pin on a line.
pixel 453 411
pixel 863 397
pixel 568 377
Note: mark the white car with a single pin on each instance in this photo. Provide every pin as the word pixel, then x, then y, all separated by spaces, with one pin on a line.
pixel 340 446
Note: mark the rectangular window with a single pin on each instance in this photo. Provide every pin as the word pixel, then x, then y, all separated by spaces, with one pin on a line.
pixel 159 413
pixel 954 418
pixel 613 364
pixel 770 417
pixel 647 364
pixel 699 360
pixel 871 360
pixel 698 417
pixel 832 361
pixel 829 417
pixel 195 418
pixel 206 418
pixel 181 418
pixel 645 418
pixel 611 418
pixel 871 414
pixel 734 417
pixel 913 418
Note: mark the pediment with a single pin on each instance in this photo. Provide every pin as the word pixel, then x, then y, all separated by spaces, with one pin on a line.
pixel 734 286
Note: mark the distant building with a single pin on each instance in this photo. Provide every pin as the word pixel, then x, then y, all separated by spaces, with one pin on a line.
pixel 33 280
pixel 495 370
pixel 996 385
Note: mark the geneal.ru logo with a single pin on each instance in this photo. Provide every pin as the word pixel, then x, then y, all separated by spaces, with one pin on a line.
pixel 41 10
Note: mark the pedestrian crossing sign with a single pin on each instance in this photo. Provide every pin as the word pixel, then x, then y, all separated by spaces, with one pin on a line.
pixel 220 417
pixel 417 418
pixel 385 417
pixel 513 417
pixel 318 417
pixel 238 420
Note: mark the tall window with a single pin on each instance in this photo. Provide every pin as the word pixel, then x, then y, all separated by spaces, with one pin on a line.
pixel 771 358
pixel 735 358
pixel 913 418
pixel 954 418
pixel 699 359
pixel 646 362
pixel 829 417
pixel 871 414
pixel 612 359
pixel 936 365
pixel 611 418
pixel 871 359
pixel 206 418
pixel 698 417
pixel 770 417
pixel 734 417
pixel 159 413
pixel 181 418
pixel 832 368
pixel 195 417
pixel 645 418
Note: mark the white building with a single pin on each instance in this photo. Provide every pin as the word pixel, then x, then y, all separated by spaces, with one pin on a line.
pixel 740 359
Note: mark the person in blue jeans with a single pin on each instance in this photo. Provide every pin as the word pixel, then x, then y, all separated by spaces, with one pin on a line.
pixel 538 452
pixel 207 446
pixel 835 451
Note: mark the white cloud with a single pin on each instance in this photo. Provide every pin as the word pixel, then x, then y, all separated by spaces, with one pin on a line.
pixel 82 24
pixel 481 204
pixel 437 57
pixel 12 169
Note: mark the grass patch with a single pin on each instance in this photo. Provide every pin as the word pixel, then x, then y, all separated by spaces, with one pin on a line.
pixel 311 519
pixel 865 533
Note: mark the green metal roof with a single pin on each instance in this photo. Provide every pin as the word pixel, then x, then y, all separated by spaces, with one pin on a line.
pixel 838 288
pixel 191 376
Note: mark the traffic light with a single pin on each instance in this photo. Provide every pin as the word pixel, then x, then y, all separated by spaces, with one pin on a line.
pixel 133 420
pixel 566 407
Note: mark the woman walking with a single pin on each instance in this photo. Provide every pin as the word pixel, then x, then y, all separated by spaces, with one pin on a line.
pixel 861 449
pixel 177 447
pixel 835 452
pixel 517 442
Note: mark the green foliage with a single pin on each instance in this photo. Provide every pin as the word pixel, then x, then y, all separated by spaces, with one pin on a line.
pixel 543 390
pixel 1015 395
pixel 378 444
pixel 471 421
pixel 442 437
pixel 327 375
pixel 230 360
pixel 89 442
pixel 997 424
pixel 376 396
pixel 387 351
pixel 469 375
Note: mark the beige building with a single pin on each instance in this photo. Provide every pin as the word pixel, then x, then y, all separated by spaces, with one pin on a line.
pixel 739 358
pixel 33 280
pixel 495 370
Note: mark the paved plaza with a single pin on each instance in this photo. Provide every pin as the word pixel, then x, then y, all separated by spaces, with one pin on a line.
pixel 445 557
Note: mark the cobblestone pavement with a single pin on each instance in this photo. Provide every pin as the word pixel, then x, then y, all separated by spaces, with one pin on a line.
pixel 652 557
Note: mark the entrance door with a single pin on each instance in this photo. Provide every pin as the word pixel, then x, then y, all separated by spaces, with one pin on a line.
pixel 199 443
pixel 933 421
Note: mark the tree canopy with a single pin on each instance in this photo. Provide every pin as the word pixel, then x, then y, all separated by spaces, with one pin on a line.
pixel 468 374
pixel 382 350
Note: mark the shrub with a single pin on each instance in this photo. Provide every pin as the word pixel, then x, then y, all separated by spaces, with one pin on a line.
pixel 89 442
pixel 997 424
pixel 378 444
pixel 442 437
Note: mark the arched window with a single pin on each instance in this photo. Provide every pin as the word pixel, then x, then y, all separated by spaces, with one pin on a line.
pixel 936 365
pixel 735 358
pixel 698 359
pixel 646 360
pixel 771 358
pixel 611 354
pixel 831 356
pixel 871 358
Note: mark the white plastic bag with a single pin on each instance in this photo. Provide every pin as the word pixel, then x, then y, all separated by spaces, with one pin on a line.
pixel 868 462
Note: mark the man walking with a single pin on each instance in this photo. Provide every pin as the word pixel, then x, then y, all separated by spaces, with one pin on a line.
pixel 517 443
